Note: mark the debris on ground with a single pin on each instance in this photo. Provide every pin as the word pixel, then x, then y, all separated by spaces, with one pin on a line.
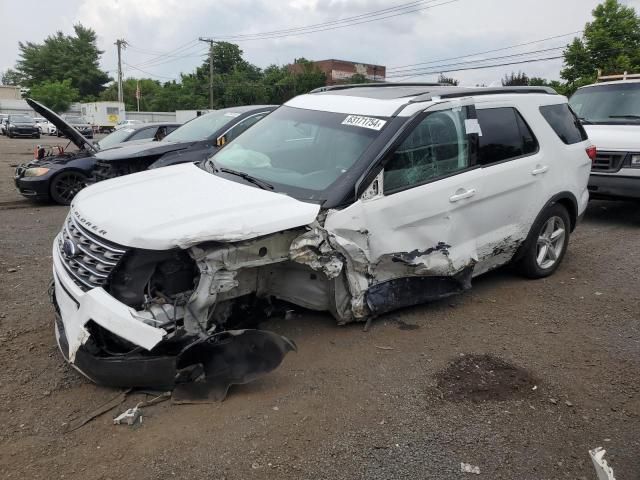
pixel 102 409
pixel 468 468
pixel 133 415
pixel 604 471
pixel 129 417
pixel 481 378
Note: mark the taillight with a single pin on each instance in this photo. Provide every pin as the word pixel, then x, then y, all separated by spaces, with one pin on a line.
pixel 592 152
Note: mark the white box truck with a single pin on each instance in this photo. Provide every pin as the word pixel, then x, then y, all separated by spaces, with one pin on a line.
pixel 103 115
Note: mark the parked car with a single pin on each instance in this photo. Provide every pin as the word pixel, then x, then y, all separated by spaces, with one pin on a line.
pixel 51 129
pixel 79 123
pixel 192 142
pixel 56 174
pixel 610 112
pixel 3 124
pixel 21 126
pixel 355 200
pixel 42 124
pixel 127 123
pixel 137 134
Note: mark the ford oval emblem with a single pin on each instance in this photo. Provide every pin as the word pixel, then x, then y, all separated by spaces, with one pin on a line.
pixel 69 249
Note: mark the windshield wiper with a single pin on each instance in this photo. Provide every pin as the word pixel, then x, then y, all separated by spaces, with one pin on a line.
pixel 625 116
pixel 245 176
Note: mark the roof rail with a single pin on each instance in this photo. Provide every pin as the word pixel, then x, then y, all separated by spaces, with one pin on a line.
pixel 328 88
pixel 609 78
pixel 456 92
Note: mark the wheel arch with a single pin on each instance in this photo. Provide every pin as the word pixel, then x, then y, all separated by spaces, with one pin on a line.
pixel 568 201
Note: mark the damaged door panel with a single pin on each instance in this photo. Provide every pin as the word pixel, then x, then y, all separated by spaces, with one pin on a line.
pixel 416 227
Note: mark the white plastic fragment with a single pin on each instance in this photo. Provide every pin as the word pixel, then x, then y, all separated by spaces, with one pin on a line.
pixel 468 468
pixel 604 471
pixel 129 417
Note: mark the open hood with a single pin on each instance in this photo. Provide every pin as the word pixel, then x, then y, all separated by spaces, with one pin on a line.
pixel 63 127
pixel 181 206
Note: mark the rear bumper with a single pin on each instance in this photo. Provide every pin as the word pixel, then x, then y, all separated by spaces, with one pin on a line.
pixel 614 187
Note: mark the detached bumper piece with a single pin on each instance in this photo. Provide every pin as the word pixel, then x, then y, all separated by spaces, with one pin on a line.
pixel 201 372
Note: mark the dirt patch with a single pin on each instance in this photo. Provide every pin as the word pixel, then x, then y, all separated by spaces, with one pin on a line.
pixel 482 378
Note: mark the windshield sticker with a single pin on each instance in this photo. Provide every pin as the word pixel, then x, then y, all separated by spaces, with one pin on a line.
pixel 472 126
pixel 364 122
pixel 231 114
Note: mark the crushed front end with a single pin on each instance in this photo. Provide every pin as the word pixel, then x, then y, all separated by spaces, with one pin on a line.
pixel 120 319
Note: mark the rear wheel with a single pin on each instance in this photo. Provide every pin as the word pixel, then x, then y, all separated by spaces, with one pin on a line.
pixel 547 243
pixel 66 185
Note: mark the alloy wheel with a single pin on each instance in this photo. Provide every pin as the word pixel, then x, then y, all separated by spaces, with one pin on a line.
pixel 550 242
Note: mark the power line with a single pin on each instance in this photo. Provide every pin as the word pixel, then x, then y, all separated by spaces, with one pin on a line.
pixel 481 67
pixel 331 22
pixel 149 73
pixel 182 49
pixel 406 72
pixel 266 36
pixel 486 51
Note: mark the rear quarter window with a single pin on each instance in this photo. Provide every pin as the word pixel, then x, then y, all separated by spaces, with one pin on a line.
pixel 564 122
pixel 505 136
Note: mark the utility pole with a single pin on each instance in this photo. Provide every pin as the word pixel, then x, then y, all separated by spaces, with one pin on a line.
pixel 210 41
pixel 120 44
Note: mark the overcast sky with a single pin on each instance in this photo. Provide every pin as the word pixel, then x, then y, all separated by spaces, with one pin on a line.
pixel 154 27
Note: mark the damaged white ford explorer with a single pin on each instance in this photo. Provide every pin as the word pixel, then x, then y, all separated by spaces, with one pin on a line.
pixel 354 200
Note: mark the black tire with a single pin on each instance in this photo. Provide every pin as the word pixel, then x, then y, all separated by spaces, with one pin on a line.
pixel 66 185
pixel 540 248
pixel 9 135
pixel 37 136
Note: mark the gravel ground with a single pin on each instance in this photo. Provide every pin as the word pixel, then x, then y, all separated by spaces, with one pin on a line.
pixel 351 404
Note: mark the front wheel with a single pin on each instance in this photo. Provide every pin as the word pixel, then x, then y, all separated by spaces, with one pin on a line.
pixel 547 243
pixel 66 185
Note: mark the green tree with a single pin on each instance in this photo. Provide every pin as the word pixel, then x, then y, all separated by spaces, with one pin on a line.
pixel 515 79
pixel 11 77
pixel 61 57
pixel 442 78
pixel 611 42
pixel 58 96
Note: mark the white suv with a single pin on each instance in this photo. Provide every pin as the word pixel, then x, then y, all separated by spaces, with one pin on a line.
pixel 353 200
pixel 610 112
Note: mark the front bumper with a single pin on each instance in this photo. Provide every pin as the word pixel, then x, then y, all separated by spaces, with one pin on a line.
pixel 609 186
pixel 23 132
pixel 36 188
pixel 76 308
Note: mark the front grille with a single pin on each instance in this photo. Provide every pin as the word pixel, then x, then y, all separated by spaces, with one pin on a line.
pixel 608 161
pixel 94 259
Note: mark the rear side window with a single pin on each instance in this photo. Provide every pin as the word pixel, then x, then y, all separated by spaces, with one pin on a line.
pixel 505 135
pixel 564 122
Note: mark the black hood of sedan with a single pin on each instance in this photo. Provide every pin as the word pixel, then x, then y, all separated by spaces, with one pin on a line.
pixel 63 127
pixel 142 150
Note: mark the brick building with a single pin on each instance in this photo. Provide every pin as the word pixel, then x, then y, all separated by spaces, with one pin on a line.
pixel 340 71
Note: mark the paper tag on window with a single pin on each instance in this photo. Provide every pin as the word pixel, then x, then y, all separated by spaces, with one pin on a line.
pixel 472 126
pixel 231 114
pixel 364 122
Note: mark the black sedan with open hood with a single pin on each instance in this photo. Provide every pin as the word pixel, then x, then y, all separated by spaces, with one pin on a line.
pixel 194 141
pixel 56 174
